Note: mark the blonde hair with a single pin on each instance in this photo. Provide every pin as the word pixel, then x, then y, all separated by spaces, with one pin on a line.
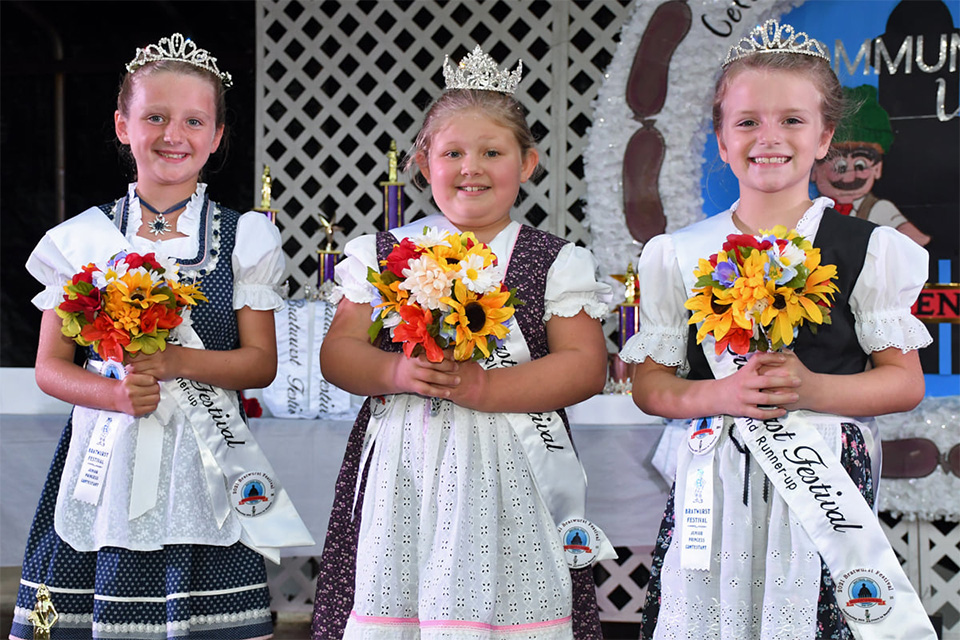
pixel 816 70
pixel 502 108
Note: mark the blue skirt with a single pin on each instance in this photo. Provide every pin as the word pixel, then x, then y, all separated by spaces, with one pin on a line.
pixel 181 591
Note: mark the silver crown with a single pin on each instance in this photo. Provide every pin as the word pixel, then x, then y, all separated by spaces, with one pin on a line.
pixel 773 37
pixel 478 70
pixel 176 47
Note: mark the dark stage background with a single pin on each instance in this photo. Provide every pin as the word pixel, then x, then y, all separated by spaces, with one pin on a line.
pixel 88 44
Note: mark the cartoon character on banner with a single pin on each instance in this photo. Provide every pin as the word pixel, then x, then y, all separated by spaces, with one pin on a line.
pixel 855 162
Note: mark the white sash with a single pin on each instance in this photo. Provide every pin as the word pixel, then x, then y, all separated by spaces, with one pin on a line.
pixel 227 448
pixel 267 516
pixel 299 390
pixel 871 589
pixel 556 470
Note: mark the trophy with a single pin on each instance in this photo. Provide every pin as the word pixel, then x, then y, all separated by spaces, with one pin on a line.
pixel 392 192
pixel 327 257
pixel 266 183
pixel 629 323
pixel 44 615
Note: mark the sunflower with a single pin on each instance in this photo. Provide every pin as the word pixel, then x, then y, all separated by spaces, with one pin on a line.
pixel 137 288
pixel 782 314
pixel 391 295
pixel 187 294
pixel 818 289
pixel 717 316
pixel 749 292
pixel 477 318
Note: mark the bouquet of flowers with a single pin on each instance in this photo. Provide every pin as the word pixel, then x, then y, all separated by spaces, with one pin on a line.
pixel 756 292
pixel 442 289
pixel 128 305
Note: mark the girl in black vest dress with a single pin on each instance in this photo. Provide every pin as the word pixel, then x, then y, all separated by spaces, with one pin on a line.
pixel 737 556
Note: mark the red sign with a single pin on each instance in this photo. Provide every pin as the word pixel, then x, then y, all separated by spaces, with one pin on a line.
pixel 938 303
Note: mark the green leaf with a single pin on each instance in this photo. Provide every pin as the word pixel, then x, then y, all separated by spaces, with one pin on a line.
pixel 375 328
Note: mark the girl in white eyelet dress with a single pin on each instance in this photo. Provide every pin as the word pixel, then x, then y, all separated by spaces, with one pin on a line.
pixel 454 537
pixel 765 576
pixel 178 569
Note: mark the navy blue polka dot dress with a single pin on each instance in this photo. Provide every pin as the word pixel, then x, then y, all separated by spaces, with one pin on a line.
pixel 194 592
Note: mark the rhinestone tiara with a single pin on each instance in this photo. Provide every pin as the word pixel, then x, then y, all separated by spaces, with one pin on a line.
pixel 477 70
pixel 773 37
pixel 176 47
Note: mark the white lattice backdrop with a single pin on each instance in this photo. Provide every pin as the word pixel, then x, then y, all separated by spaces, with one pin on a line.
pixel 337 81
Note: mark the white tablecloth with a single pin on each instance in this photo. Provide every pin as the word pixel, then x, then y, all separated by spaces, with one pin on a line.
pixel 626 494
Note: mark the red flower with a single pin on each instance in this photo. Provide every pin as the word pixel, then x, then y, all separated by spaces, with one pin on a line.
pixel 158 317
pixel 135 261
pixel 251 406
pixel 745 240
pixel 85 275
pixel 399 258
pixel 414 330
pixel 88 305
pixel 738 340
pixel 112 340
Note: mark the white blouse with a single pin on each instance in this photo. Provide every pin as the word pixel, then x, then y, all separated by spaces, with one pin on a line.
pixel 894 272
pixel 183 514
pixel 258 260
pixel 571 281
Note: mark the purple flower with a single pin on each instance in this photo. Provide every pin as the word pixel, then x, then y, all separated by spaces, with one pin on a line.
pixel 726 273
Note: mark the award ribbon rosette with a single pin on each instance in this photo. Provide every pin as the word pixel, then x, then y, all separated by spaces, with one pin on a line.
pixel 443 289
pixel 753 295
pixel 134 304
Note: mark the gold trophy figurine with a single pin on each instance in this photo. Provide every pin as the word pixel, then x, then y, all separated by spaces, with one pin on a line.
pixel 327 258
pixel 266 184
pixel 44 615
pixel 328 229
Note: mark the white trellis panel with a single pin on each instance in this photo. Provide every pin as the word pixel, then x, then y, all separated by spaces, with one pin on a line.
pixel 337 81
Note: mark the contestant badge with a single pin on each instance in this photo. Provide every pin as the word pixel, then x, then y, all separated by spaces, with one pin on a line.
pixel 113 369
pixel 703 433
pixel 581 542
pixel 253 493
pixel 865 595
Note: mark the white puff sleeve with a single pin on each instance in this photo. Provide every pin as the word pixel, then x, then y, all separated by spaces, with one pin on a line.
pixel 51 269
pixel 663 318
pixel 572 285
pixel 258 264
pixel 359 254
pixel 894 272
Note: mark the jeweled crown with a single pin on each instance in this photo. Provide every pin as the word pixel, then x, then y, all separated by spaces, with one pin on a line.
pixel 176 47
pixel 773 37
pixel 477 70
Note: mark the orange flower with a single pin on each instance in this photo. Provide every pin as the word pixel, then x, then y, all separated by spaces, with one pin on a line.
pixel 415 330
pixel 112 340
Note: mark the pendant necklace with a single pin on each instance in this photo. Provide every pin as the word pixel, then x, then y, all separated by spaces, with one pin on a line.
pixel 160 225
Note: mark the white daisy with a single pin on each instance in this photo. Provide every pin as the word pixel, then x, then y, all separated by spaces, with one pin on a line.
pixel 475 277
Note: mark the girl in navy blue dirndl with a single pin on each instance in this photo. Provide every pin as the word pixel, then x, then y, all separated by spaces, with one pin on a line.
pixel 444 523
pixel 159 552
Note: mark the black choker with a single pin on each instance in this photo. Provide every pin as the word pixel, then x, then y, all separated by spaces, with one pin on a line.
pixel 160 225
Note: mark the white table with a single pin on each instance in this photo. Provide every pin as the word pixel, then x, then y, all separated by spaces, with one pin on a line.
pixel 626 494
